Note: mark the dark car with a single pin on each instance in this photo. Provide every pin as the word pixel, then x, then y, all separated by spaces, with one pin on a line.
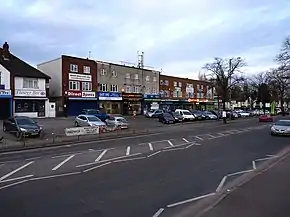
pixel 22 126
pixel 98 113
pixel 177 117
pixel 198 114
pixel 166 118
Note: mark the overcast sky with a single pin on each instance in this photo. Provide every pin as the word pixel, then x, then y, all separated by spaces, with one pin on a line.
pixel 179 36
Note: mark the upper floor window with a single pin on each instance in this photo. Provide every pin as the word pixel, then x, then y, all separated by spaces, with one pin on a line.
pixel 128 75
pixel 114 73
pixel 87 86
pixel 87 69
pixel 1 77
pixel 103 72
pixel 103 87
pixel 148 90
pixel 136 76
pixel 136 89
pixel 154 79
pixel 30 83
pixel 175 83
pixel 154 90
pixel 128 89
pixel 74 68
pixel 189 85
pixel 114 88
pixel 166 82
pixel 74 85
pixel 179 84
pixel 147 78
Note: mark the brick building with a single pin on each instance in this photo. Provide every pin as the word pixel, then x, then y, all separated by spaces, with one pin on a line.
pixel 185 93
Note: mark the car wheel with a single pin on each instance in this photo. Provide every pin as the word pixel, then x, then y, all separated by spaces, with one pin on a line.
pixel 76 124
pixel 18 134
pixel 272 134
pixel 4 128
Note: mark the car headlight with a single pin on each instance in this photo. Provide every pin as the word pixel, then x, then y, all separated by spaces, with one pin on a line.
pixel 22 129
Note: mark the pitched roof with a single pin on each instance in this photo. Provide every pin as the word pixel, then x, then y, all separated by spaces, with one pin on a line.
pixel 18 67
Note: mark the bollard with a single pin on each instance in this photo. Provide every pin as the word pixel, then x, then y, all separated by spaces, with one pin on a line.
pixel 53 138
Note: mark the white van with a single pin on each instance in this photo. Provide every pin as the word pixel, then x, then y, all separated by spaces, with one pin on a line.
pixel 187 115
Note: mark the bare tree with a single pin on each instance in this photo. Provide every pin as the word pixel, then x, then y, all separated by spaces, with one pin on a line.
pixel 283 57
pixel 225 73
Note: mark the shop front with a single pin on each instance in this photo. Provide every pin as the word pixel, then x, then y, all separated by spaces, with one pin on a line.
pixel 132 102
pixel 150 101
pixel 173 104
pixel 76 101
pixel 110 102
pixel 202 104
pixel 5 103
pixel 30 103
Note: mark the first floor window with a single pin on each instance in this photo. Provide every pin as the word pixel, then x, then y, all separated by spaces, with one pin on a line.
pixel 30 83
pixel 103 87
pixel 128 89
pixel 87 69
pixel 136 89
pixel 114 88
pixel 74 85
pixel 74 68
pixel 87 86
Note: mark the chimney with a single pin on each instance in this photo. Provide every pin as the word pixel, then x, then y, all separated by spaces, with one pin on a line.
pixel 5 51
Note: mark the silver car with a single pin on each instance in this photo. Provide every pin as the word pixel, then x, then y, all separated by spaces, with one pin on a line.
pixel 88 120
pixel 118 122
pixel 281 127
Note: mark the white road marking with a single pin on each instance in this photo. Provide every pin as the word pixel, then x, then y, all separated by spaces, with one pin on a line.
pixel 33 158
pixel 270 155
pixel 159 212
pixel 151 155
pixel 197 137
pixel 59 156
pixel 15 171
pixel 170 143
pixel 221 184
pixel 221 134
pixel 116 158
pixel 96 167
pixel 63 162
pixel 266 158
pixel 55 176
pixel 190 200
pixel 190 145
pixel 150 146
pixel 210 136
pixel 101 155
pixel 254 165
pixel 17 178
pixel 173 149
pixel 129 159
pixel 91 149
pixel 185 140
pixel 13 184
pixel 128 150
pixel 241 172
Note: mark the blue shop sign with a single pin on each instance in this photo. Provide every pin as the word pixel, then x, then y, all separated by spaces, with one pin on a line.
pixel 109 96
pixel 151 96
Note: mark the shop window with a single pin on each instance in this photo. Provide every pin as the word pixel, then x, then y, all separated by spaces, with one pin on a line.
pixel 30 83
pixel 74 85
pixel 29 106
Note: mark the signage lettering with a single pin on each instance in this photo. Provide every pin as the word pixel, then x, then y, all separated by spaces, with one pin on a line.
pixel 89 94
pixel 132 95
pixel 29 93
pixel 79 131
pixel 73 94
pixel 79 77
pixel 5 92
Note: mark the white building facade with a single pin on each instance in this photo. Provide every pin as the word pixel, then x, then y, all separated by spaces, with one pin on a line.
pixel 5 93
pixel 30 97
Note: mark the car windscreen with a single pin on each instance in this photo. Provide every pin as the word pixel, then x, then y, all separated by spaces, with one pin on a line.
pixel 122 120
pixel 93 119
pixel 167 115
pixel 176 114
pixel 92 111
pixel 187 113
pixel 283 123
pixel 24 121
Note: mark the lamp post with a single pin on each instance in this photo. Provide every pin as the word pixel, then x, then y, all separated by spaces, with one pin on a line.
pixel 230 82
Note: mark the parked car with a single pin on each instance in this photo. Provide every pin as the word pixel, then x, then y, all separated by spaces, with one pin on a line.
pixel 209 115
pixel 244 114
pixel 166 118
pixel 88 120
pixel 22 126
pixel 282 128
pixel 265 118
pixel 198 114
pixel 187 116
pixel 118 121
pixel 103 116
pixel 154 113
pixel 177 117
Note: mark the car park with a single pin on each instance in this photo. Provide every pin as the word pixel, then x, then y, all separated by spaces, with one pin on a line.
pixel 186 114
pixel 282 128
pixel 88 120
pixel 22 126
pixel 118 121
pixel 98 113
pixel 166 118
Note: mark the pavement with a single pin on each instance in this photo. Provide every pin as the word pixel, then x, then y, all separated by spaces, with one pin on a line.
pixel 147 176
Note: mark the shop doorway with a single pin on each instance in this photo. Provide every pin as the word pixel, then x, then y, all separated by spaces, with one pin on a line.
pixel 5 109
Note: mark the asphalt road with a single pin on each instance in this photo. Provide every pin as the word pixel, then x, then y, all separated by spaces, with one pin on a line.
pixel 88 183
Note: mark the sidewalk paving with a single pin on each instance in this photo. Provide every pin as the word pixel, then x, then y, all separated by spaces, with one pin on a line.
pixel 266 195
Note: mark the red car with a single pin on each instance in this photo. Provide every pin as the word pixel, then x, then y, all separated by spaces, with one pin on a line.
pixel 265 118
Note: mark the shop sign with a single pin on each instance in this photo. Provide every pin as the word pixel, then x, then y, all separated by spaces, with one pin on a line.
pixel 5 92
pixel 79 77
pixel 132 95
pixel 88 94
pixel 73 93
pixel 109 96
pixel 151 96
pixel 81 131
pixel 30 93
